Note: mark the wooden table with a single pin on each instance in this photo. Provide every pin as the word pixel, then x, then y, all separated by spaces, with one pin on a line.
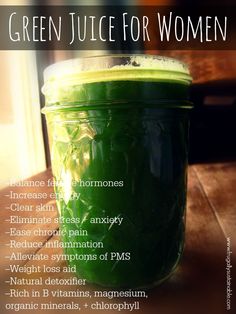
pixel 199 283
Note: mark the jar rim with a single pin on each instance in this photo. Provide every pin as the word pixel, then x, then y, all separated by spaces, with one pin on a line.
pixel 115 67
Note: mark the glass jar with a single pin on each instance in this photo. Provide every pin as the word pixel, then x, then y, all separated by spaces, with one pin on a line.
pixel 118 129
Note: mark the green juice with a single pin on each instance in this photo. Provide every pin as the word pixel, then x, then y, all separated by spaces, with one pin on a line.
pixel 119 156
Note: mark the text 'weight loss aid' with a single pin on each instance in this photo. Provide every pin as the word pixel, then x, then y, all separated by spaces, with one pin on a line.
pixel 118 131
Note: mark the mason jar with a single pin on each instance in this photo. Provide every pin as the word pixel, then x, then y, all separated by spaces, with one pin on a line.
pixel 118 133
